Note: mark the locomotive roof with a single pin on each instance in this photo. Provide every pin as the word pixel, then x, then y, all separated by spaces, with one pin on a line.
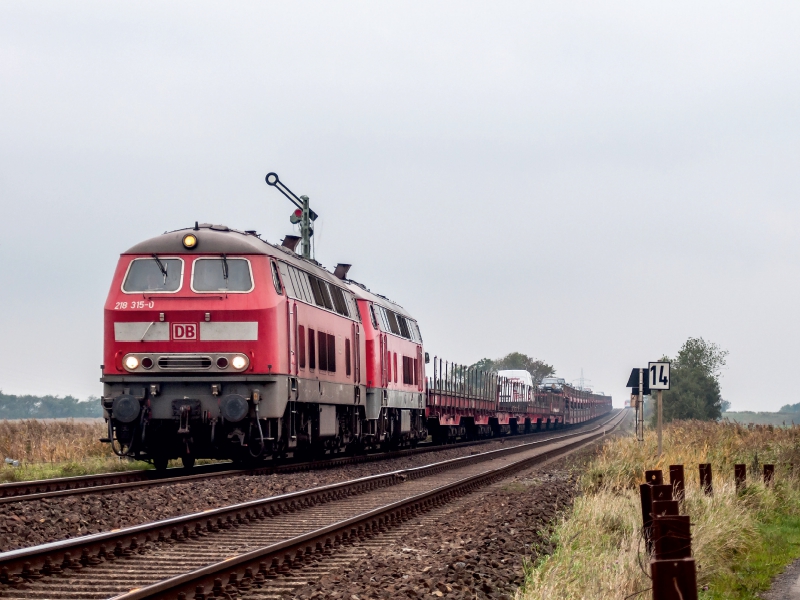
pixel 220 239
pixel 364 294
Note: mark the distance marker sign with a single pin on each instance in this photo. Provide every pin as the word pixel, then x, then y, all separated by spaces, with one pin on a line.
pixel 658 375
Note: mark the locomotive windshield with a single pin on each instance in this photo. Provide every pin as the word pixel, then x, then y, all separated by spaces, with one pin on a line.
pixel 221 275
pixel 154 274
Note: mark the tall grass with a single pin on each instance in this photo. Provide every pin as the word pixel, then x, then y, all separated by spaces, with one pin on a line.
pixel 55 448
pixel 599 551
pixel 34 441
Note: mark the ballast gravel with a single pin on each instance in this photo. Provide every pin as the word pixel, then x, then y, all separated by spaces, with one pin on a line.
pixel 473 548
pixel 30 523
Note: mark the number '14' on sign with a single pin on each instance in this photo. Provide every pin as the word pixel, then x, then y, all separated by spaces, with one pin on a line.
pixel 659 375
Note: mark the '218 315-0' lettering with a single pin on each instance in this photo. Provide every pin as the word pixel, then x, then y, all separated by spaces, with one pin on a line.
pixel 134 304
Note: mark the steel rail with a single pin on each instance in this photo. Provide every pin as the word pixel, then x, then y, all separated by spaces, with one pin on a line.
pixel 301 550
pixel 30 563
pixel 110 482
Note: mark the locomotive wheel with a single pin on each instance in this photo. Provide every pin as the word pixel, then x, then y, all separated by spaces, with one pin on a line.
pixel 188 461
pixel 160 463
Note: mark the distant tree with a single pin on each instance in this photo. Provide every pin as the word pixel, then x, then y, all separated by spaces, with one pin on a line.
pixel 725 406
pixel 790 408
pixel 694 388
pixel 516 360
pixel 47 407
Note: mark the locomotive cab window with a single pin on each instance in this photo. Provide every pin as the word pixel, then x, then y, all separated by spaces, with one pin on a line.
pixel 222 274
pixel 153 274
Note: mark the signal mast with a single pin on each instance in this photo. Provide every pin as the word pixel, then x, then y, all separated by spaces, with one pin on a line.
pixel 302 214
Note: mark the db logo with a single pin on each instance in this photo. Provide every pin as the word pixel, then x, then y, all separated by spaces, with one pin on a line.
pixel 184 331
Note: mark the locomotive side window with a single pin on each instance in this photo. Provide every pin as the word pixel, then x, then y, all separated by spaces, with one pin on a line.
pixel 339 303
pixel 276 280
pixel 372 316
pixel 222 275
pixel 353 306
pixel 312 350
pixel 326 295
pixel 393 326
pixel 382 319
pixel 318 292
pixel 153 274
pixel 403 327
pixel 302 339
pixel 347 356
pixel 288 282
pixel 301 285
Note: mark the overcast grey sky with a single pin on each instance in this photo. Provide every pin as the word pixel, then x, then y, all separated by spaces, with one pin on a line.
pixel 589 183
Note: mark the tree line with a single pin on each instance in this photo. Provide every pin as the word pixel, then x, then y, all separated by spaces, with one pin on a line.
pixel 48 407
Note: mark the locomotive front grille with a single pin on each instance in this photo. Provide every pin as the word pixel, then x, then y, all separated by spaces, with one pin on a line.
pixel 187 362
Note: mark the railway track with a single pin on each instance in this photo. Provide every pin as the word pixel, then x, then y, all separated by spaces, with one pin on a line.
pixel 111 482
pixel 255 549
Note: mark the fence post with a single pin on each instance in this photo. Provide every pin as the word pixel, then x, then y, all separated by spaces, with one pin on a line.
pixel 674 579
pixel 740 476
pixel 705 479
pixel 646 496
pixel 677 481
pixel 672 567
pixel 769 474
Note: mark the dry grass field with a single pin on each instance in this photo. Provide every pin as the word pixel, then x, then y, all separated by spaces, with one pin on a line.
pixel 56 447
pixel 740 540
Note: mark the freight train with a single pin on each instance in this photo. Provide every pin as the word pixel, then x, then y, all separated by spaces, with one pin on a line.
pixel 218 344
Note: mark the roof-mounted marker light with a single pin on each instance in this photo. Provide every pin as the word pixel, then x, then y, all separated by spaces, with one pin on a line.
pixel 189 241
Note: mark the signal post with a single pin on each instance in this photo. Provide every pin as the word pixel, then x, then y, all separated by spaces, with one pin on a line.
pixel 642 382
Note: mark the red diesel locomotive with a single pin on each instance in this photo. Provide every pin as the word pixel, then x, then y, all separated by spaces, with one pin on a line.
pixel 218 344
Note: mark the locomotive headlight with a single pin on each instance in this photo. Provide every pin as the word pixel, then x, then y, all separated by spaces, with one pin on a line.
pixel 131 362
pixel 239 362
pixel 189 240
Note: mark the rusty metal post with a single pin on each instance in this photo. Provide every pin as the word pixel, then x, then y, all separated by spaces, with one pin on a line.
pixel 705 479
pixel 665 508
pixel 677 481
pixel 740 476
pixel 661 492
pixel 769 474
pixel 655 477
pixel 674 579
pixel 672 537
